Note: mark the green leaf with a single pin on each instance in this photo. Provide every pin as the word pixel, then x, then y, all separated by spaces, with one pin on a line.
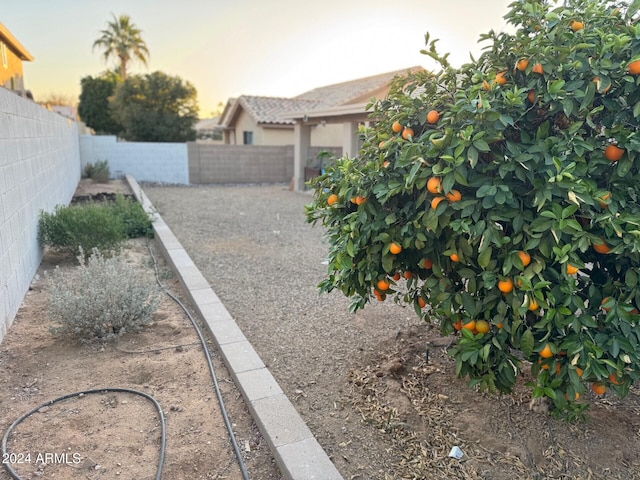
pixel 481 145
pixel 555 87
pixel 526 343
pixel 485 257
pixel 631 279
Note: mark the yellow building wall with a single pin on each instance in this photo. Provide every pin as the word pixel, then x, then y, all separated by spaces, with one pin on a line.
pixel 13 70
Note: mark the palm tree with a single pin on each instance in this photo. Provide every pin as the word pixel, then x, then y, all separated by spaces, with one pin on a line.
pixel 123 40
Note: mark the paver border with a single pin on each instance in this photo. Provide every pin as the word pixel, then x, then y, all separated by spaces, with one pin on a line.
pixel 296 451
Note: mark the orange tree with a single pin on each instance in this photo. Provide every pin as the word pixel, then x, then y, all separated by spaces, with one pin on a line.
pixel 504 195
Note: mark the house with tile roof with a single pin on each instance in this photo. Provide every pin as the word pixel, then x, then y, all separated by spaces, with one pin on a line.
pixel 12 54
pixel 257 120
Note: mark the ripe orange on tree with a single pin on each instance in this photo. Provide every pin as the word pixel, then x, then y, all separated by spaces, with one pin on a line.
pixel 427 263
pixel 486 86
pixel 576 25
pixel 383 285
pixel 407 274
pixel 433 116
pixel 634 67
pixel 436 201
pixel 601 247
pixel 533 305
pixel 333 199
pixel 379 295
pixel 421 302
pixel 407 132
pixel 525 258
pixel 458 325
pixel 395 248
pixel 613 153
pixel 454 196
pixel 571 269
pixel 434 185
pixel 396 127
pixel 537 68
pixel 531 96
pixel 546 352
pixel 613 378
pixel 505 285
pixel 500 78
pixel 522 64
pixel 579 371
pixel 470 325
pixel 599 388
pixel 454 257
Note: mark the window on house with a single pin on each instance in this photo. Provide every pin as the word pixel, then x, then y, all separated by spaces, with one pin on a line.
pixel 247 138
pixel 3 52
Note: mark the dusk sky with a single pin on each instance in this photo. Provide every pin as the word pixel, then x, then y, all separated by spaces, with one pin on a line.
pixel 227 48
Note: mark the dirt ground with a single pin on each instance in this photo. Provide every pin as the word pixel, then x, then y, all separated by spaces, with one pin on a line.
pixel 406 407
pixel 118 434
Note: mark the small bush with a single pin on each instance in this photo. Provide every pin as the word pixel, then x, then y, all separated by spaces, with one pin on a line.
pixel 94 225
pixel 102 298
pixel 98 172
pixel 75 227
pixel 137 222
pixel 87 171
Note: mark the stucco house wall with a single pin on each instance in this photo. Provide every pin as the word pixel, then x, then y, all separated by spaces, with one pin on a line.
pixel 12 54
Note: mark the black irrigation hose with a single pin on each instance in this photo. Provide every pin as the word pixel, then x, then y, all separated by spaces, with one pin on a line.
pixel 223 409
pixel 163 438
pixel 155 350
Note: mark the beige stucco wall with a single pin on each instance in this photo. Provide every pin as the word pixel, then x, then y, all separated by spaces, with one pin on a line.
pixel 329 135
pixel 276 136
pixel 246 123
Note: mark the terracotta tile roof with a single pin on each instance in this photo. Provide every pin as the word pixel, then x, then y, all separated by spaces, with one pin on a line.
pixel 346 92
pixel 270 109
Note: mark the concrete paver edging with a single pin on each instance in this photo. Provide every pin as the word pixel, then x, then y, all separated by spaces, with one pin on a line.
pixel 297 452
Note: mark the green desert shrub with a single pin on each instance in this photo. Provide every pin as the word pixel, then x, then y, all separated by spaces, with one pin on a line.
pixel 98 172
pixel 137 222
pixel 93 225
pixel 74 227
pixel 102 298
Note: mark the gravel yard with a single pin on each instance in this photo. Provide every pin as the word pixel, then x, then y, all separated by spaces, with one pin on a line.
pixel 362 382
pixel 264 262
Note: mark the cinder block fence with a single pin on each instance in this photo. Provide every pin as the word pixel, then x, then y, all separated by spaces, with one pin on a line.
pixel 39 169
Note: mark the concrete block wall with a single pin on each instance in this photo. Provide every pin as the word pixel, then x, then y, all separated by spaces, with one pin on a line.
pixel 147 162
pixel 211 164
pixel 39 169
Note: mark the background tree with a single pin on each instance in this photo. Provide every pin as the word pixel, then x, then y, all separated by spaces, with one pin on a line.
pixel 122 40
pixel 505 192
pixel 156 108
pixel 94 108
pixel 58 99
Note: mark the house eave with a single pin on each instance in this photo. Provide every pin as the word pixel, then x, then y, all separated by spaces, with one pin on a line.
pixel 22 53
